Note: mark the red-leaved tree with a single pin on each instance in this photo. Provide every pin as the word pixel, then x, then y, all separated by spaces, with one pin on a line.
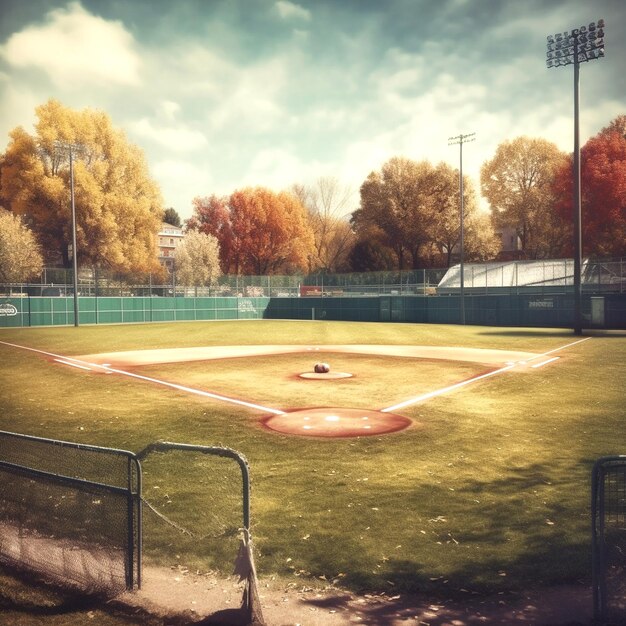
pixel 603 191
pixel 211 216
pixel 259 232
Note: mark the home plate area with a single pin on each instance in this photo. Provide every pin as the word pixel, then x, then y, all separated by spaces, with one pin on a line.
pixel 337 422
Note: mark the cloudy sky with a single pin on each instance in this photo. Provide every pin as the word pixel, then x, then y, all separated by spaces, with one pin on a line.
pixel 222 94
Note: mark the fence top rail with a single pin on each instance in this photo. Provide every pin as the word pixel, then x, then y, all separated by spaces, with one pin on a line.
pixel 70 444
pixel 167 446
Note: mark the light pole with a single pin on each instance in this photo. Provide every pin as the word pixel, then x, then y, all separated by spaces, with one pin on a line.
pixel 574 47
pixel 71 148
pixel 453 141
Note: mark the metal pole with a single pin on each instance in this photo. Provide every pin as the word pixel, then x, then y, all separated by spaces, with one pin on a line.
pixel 74 250
pixel 571 48
pixel 461 139
pixel 462 243
pixel 578 328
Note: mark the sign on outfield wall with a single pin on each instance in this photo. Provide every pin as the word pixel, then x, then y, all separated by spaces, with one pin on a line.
pixel 7 310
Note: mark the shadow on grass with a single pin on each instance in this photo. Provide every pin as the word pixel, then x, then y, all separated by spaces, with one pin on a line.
pixel 24 597
pixel 526 332
pixel 520 534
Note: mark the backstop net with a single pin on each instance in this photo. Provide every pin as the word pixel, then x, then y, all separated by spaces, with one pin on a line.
pixel 609 539
pixel 70 513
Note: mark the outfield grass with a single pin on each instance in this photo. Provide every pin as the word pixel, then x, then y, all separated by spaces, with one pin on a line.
pixel 490 493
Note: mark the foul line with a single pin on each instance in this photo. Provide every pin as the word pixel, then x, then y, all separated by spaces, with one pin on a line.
pixel 439 392
pixel 66 360
pixel 568 345
pixel 207 394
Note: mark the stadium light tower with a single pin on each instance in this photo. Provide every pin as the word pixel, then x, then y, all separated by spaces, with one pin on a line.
pixel 573 48
pixel 453 141
pixel 72 148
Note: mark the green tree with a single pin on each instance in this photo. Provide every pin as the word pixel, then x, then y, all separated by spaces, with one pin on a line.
pixel 197 260
pixel 170 216
pixel 518 183
pixel 118 206
pixel 20 256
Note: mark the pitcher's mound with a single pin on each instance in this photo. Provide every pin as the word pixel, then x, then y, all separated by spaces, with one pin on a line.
pixel 329 422
pixel 325 375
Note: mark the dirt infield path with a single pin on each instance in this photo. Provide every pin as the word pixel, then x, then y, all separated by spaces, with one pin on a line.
pixel 169 592
pixel 181 355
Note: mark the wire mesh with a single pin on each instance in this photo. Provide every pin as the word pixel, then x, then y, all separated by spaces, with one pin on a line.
pixel 192 505
pixel 70 513
pixel 609 540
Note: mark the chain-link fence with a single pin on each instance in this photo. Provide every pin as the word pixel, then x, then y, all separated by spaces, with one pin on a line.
pixel 70 513
pixel 513 277
pixel 609 540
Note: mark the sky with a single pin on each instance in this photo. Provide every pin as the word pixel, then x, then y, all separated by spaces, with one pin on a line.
pixel 224 94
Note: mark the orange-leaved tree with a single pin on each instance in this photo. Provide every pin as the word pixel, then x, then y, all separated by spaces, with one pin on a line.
pixel 270 232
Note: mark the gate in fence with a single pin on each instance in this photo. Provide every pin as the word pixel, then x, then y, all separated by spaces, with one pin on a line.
pixel 73 513
pixel 609 539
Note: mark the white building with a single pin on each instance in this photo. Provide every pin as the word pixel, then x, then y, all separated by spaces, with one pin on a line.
pixel 170 237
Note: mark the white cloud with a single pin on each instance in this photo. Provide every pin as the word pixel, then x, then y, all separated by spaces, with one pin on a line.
pixel 288 10
pixel 181 182
pixel 279 168
pixel 170 109
pixel 176 138
pixel 74 47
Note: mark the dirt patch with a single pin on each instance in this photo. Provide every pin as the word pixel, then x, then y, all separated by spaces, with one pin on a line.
pixel 168 592
pixel 337 422
pixel 179 355
pixel 325 375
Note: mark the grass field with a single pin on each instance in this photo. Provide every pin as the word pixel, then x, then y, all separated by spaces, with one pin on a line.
pixel 491 492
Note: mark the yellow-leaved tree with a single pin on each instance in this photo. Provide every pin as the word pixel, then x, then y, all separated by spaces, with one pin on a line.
pixel 118 206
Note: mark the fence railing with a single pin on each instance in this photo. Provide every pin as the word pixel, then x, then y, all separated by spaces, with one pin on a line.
pixel 608 506
pixel 71 512
pixel 514 277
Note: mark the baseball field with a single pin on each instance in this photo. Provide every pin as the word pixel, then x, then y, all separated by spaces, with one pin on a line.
pixel 481 484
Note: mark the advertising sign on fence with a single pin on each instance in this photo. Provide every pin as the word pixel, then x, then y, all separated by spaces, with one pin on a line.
pixel 7 310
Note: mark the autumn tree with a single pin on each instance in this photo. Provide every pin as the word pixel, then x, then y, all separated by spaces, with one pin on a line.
pixel 211 215
pixel 603 192
pixel 393 200
pixel 327 203
pixel 197 260
pixel 480 242
pixel 518 183
pixel 479 239
pixel 370 255
pixel 416 208
pixel 118 206
pixel 170 216
pixel 270 232
pixel 20 256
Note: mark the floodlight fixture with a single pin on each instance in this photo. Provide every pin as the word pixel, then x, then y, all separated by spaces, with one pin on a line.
pixel 573 48
pixel 453 141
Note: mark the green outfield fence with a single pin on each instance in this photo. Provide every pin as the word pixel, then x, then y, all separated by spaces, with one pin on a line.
pixel 523 293
pixel 521 310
